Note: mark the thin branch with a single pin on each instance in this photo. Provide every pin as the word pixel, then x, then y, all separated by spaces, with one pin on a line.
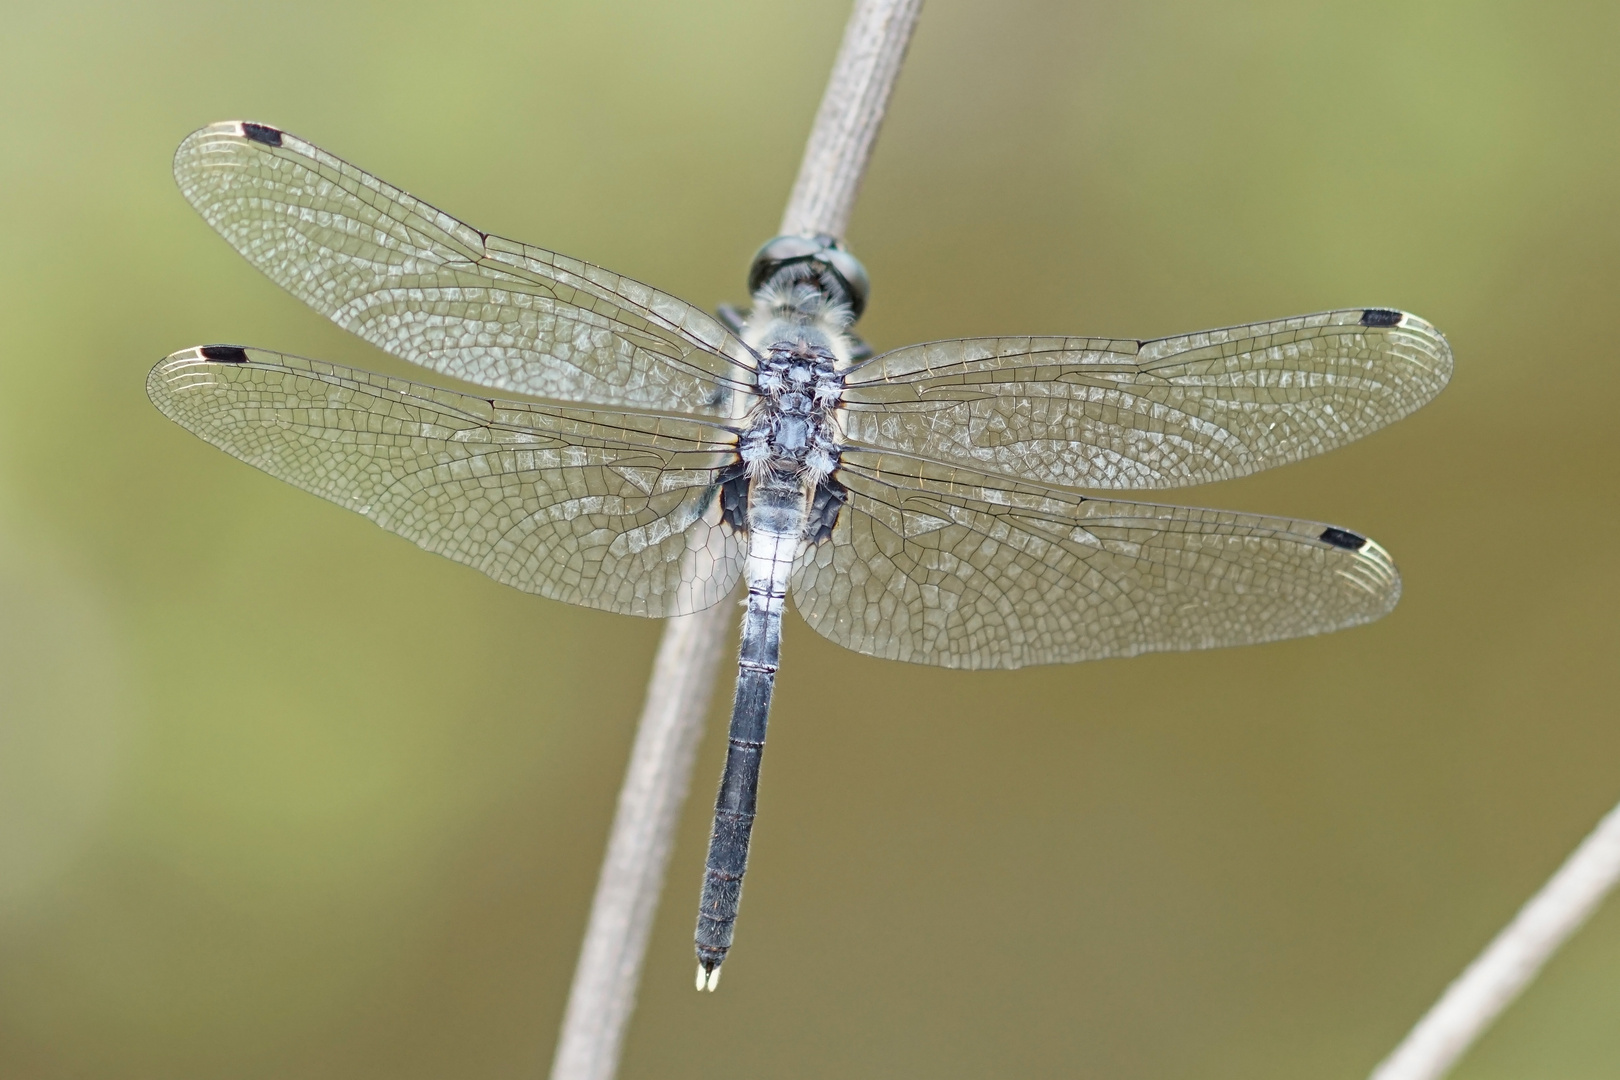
pixel 655 786
pixel 660 771
pixel 1499 974
pixel 851 111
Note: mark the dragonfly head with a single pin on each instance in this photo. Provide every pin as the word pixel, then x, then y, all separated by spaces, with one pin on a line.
pixel 819 261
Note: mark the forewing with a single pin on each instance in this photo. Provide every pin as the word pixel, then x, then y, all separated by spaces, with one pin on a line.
pixel 1097 413
pixel 612 511
pixel 941 566
pixel 439 293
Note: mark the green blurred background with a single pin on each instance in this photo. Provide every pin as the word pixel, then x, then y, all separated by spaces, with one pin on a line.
pixel 282 796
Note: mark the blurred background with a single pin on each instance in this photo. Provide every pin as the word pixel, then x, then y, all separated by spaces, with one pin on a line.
pixel 282 796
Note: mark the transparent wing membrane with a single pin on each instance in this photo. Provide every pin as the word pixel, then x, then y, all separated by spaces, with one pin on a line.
pixel 949 546
pixel 609 510
pixel 938 565
pixel 439 293
pixel 1105 414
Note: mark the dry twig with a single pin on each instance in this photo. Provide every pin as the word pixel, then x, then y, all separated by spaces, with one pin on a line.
pixel 1479 995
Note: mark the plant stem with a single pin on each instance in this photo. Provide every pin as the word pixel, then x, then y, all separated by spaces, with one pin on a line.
pixel 852 109
pixel 655 786
pixel 660 771
pixel 1511 961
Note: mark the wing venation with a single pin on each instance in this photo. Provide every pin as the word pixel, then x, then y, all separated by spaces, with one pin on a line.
pixel 610 510
pixel 1118 414
pixel 437 292
pixel 942 566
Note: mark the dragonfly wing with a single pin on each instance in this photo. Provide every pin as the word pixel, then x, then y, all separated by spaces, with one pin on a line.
pixel 937 565
pixel 436 292
pixel 610 510
pixel 1106 414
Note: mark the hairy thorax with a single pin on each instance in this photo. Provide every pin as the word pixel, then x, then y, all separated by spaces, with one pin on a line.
pixel 790 443
pixel 792 429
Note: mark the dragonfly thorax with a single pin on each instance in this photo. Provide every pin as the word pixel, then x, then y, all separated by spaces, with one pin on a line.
pixel 807 294
pixel 791 430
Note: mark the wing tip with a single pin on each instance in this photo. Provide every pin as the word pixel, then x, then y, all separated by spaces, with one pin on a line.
pixel 213 146
pixel 1369 571
pixel 1419 332
pixel 253 131
pixel 160 381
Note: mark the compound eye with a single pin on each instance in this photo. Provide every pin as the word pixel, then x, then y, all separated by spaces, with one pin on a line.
pixel 853 274
pixel 778 253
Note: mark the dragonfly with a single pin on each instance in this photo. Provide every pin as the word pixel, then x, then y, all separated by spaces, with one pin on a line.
pixel 945 503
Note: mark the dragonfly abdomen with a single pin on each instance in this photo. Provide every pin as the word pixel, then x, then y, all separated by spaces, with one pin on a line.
pixel 778 506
